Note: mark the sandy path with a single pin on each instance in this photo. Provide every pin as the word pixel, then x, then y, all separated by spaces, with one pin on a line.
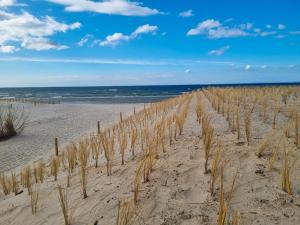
pixel 67 122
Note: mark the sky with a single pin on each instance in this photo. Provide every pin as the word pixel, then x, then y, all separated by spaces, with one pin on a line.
pixel 143 42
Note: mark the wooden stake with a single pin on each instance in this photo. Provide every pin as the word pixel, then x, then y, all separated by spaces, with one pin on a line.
pixel 121 117
pixel 56 146
pixel 98 126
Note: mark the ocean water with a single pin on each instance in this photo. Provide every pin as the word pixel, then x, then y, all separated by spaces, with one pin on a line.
pixel 112 94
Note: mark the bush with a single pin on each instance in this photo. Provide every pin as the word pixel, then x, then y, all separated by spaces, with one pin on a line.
pixel 12 122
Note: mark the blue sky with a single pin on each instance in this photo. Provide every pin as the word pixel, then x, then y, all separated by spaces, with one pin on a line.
pixel 118 42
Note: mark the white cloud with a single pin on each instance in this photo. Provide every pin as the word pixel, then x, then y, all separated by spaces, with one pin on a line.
pixel 30 32
pixel 213 29
pixel 267 33
pixel 264 67
pixel 188 13
pixel 41 44
pixel 246 26
pixel 295 32
pixel 204 27
pixel 248 67
pixel 144 29
pixel 187 71
pixel 220 51
pixel 280 36
pixel 84 40
pixel 116 38
pixel 116 7
pixel 281 27
pixel 6 3
pixel 88 61
pixel 8 49
pixel 269 26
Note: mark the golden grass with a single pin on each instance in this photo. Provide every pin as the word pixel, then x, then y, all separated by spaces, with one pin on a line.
pixel 26 179
pixel 208 135
pixel 64 204
pixel 133 139
pixel 122 139
pixel 83 159
pixel 14 184
pixel 126 212
pixel 34 197
pixel 296 121
pixel 248 128
pixel 5 184
pixel 215 169
pixel 238 127
pixel 223 206
pixel 286 182
pixel 71 153
pixel 108 143
pixel 55 165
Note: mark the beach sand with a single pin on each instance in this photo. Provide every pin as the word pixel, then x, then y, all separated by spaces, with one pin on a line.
pixel 178 190
pixel 67 122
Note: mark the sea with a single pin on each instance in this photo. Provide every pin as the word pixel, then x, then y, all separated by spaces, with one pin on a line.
pixel 108 94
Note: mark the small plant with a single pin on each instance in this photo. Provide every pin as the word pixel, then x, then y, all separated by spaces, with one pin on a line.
pixel 83 159
pixel 107 142
pixel 55 164
pixel 262 147
pixel 122 139
pixel 247 123
pixel 5 184
pixel 41 171
pixel 34 197
pixel 26 179
pixel 275 114
pixel 215 169
pixel 238 128
pixel 286 182
pixel 208 134
pixel 64 204
pixel 296 128
pixel 223 206
pixel 126 212
pixel 14 184
pixel 138 181
pixel 12 122
pixel 134 136
pixel 71 157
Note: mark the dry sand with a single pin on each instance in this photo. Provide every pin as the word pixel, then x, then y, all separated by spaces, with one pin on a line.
pixel 178 191
pixel 67 122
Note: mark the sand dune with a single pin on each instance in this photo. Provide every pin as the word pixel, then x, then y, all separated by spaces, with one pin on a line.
pixel 178 190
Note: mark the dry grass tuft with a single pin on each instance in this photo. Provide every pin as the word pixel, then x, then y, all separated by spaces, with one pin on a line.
pixel 247 123
pixel 12 122
pixel 55 164
pixel 26 179
pixel 215 169
pixel 64 204
pixel 286 182
pixel 5 184
pixel 34 197
pixel 126 212
pixel 208 135
pixel 83 159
